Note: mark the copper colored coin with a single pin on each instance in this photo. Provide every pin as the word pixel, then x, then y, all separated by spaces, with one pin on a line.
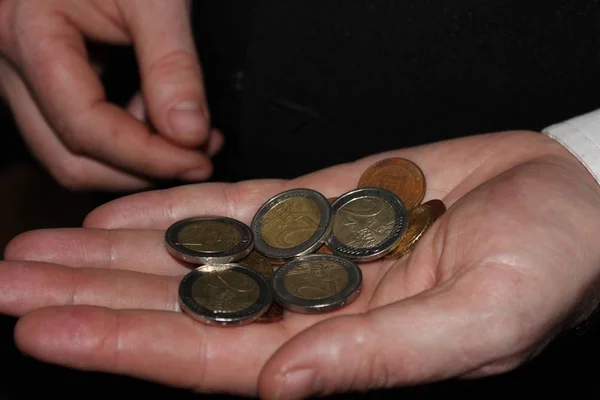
pixel 437 207
pixel 324 250
pixel 420 220
pixel 398 175
pixel 273 314
pixel 276 263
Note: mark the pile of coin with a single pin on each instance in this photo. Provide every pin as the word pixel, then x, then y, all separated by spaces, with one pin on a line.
pixel 301 251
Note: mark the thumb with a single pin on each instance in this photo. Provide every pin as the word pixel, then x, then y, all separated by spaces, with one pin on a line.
pixel 172 81
pixel 436 335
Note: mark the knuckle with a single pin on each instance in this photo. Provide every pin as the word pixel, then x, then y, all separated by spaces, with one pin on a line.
pixel 6 25
pixel 377 372
pixel 169 67
pixel 71 177
pixel 73 142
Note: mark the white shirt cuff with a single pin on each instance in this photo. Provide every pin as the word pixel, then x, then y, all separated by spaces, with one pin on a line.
pixel 581 136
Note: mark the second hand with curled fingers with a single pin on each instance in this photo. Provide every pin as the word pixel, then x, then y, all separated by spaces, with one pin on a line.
pixel 60 105
pixel 508 267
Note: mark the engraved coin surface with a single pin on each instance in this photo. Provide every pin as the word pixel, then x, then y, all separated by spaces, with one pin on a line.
pixel 364 222
pixel 398 175
pixel 224 294
pixel 259 263
pixel 367 224
pixel 209 239
pixel 290 224
pixel 317 283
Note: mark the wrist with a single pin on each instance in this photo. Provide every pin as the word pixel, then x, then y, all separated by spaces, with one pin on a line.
pixel 580 136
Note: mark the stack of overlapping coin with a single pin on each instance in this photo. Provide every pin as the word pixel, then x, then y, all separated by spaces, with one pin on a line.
pixel 301 250
pixel 406 180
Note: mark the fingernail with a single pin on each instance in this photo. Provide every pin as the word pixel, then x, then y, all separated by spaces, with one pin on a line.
pixel 187 119
pixel 299 384
pixel 199 174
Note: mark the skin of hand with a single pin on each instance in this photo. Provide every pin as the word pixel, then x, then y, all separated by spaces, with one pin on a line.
pixel 59 103
pixel 511 264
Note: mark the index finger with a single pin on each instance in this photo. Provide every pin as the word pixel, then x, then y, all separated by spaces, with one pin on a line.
pixel 159 209
pixel 54 60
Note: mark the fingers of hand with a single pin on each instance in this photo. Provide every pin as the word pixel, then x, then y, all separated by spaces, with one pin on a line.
pixel 28 286
pixel 161 346
pixel 53 58
pixel 116 269
pixel 170 70
pixel 137 108
pixel 140 251
pixel 159 209
pixel 215 142
pixel 73 171
pixel 211 147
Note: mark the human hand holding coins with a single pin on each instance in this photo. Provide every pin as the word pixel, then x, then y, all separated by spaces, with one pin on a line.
pixel 361 225
pixel 486 287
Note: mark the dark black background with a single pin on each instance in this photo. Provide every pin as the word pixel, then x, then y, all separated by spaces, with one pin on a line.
pixel 298 85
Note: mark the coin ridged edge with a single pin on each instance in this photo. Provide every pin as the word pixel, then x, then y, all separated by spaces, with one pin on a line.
pixel 201 314
pixel 238 252
pixel 366 254
pixel 310 245
pixel 306 306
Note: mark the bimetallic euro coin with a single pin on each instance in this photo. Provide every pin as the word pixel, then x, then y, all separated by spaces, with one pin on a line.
pixel 400 176
pixel 259 263
pixel 209 239
pixel 291 224
pixel 420 220
pixel 224 294
pixel 316 283
pixel 367 224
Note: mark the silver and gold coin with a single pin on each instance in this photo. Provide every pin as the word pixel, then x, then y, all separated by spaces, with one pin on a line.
pixel 367 224
pixel 291 224
pixel 224 294
pixel 209 239
pixel 316 283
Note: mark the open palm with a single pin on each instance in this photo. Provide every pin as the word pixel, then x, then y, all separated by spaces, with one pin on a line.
pixel 505 269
